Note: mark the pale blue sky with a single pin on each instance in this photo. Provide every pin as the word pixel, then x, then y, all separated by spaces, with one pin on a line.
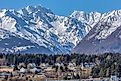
pixel 66 7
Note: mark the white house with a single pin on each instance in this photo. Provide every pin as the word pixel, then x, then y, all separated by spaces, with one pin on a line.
pixel 35 69
pixel 23 70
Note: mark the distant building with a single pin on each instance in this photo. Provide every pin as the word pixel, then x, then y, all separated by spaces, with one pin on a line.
pixel 87 65
pixel 31 65
pixel 86 72
pixel 23 70
pixel 35 70
pixel 21 65
pixel 86 69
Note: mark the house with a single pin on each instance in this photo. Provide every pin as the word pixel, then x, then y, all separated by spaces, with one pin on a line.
pixel 59 64
pixel 44 65
pixel 23 70
pixel 21 65
pixel 86 69
pixel 87 65
pixel 31 65
pixel 72 66
pixel 35 70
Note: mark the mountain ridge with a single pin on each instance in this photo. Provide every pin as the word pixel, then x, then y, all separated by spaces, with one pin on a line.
pixel 41 27
pixel 46 32
pixel 103 37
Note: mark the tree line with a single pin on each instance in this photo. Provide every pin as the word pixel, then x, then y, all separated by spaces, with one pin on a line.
pixel 106 64
pixel 45 58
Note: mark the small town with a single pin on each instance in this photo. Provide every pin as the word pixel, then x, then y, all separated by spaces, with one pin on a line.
pixel 60 40
pixel 51 72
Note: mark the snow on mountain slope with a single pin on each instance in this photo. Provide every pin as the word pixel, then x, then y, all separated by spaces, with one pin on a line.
pixel 12 43
pixel 91 19
pixel 104 36
pixel 35 29
pixel 39 30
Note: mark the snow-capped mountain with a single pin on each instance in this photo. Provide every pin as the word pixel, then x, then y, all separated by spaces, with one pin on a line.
pixel 36 29
pixel 105 36
pixel 91 19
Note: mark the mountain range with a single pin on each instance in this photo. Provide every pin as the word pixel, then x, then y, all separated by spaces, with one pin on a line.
pixel 35 29
pixel 105 36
